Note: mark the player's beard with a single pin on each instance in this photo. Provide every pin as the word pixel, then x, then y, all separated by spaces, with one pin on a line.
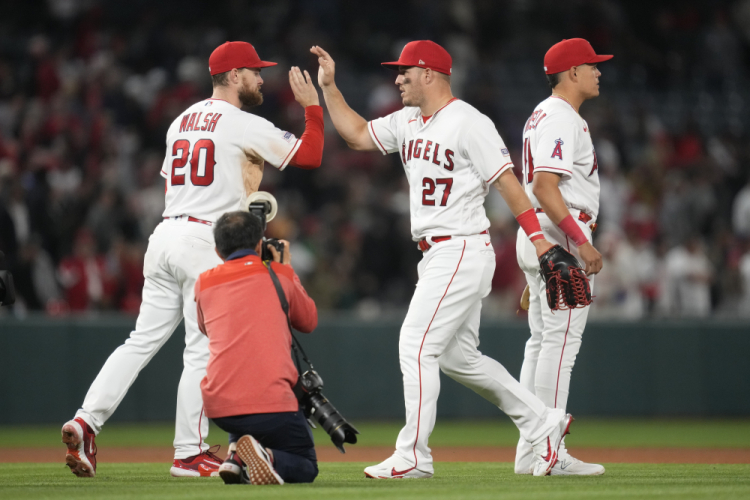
pixel 412 96
pixel 249 97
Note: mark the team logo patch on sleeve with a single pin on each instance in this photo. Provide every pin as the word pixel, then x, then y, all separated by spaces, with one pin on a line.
pixel 288 136
pixel 557 152
pixel 505 152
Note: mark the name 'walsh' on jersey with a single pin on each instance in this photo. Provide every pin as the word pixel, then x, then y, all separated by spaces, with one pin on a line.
pixel 208 145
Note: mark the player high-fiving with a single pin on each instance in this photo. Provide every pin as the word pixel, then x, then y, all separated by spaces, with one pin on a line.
pixel 451 154
pixel 214 159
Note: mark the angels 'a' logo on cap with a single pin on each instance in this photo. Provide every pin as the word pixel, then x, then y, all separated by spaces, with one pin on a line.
pixel 421 62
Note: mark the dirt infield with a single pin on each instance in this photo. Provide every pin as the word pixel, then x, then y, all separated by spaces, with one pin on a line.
pixel 376 454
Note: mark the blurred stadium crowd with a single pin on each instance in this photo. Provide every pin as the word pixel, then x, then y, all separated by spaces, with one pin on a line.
pixel 88 89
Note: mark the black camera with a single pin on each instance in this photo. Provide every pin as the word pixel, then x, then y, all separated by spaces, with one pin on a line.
pixel 316 405
pixel 261 209
pixel 265 253
pixel 7 290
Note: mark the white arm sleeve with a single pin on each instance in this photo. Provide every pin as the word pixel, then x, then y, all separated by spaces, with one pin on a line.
pixel 486 149
pixel 274 145
pixel 555 146
pixel 384 132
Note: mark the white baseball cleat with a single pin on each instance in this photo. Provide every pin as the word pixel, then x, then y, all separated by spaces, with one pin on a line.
pixel 570 466
pixel 257 462
pixel 545 451
pixel 395 468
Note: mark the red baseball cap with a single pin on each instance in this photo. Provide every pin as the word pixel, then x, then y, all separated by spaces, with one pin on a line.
pixel 238 55
pixel 425 54
pixel 564 55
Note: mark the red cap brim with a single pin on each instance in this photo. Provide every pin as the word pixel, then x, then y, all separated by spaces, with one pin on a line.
pixel 394 65
pixel 599 58
pixel 266 64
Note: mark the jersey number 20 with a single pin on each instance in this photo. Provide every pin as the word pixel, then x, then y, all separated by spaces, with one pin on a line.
pixel 201 156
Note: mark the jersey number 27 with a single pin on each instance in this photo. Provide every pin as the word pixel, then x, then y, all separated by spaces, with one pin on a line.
pixel 429 190
pixel 202 162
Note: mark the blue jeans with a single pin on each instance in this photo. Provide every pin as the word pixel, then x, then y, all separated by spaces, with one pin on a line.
pixel 286 434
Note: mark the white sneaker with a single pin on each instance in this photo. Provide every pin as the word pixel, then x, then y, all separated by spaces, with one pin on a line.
pixel 257 462
pixel 570 466
pixel 545 451
pixel 395 468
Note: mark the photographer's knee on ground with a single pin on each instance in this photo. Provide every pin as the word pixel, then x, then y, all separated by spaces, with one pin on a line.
pixel 249 339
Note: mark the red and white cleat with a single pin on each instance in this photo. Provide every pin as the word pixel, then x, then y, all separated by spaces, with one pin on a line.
pixel 81 456
pixel 547 449
pixel 205 464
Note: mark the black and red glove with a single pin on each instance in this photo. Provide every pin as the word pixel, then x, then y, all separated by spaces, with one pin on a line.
pixel 567 284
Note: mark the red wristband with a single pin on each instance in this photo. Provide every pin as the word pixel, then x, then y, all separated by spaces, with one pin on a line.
pixel 530 224
pixel 570 227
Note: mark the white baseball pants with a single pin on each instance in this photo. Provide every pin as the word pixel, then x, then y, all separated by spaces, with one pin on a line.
pixel 555 336
pixel 178 251
pixel 441 331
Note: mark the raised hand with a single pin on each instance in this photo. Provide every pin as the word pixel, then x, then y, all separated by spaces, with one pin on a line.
pixel 327 68
pixel 302 86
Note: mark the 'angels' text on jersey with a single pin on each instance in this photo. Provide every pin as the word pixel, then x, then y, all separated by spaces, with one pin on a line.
pixel 450 159
pixel 556 139
pixel 208 146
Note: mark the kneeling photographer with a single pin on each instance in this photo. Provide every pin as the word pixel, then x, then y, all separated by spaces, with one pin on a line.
pixel 247 390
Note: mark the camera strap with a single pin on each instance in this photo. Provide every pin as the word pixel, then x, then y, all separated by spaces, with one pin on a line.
pixel 296 346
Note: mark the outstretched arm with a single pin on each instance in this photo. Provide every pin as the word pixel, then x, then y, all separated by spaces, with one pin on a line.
pixel 310 153
pixel 350 126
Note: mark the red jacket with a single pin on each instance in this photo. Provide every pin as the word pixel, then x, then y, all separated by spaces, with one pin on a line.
pixel 250 369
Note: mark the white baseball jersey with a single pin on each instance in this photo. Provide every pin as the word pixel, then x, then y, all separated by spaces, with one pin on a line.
pixel 556 139
pixel 207 146
pixel 450 160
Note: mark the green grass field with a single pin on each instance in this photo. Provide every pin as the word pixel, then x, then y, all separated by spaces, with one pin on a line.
pixel 453 480
pixel 345 481
pixel 585 432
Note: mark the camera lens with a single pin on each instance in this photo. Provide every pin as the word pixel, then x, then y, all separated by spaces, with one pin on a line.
pixel 332 422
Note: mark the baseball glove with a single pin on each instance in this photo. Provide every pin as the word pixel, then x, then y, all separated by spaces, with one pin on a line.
pixel 525 296
pixel 567 284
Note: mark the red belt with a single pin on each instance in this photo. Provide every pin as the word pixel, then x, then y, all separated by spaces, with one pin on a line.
pixel 424 245
pixel 193 219
pixel 582 216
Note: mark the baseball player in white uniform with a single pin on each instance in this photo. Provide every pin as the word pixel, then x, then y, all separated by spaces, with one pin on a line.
pixel 451 154
pixel 560 175
pixel 214 158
